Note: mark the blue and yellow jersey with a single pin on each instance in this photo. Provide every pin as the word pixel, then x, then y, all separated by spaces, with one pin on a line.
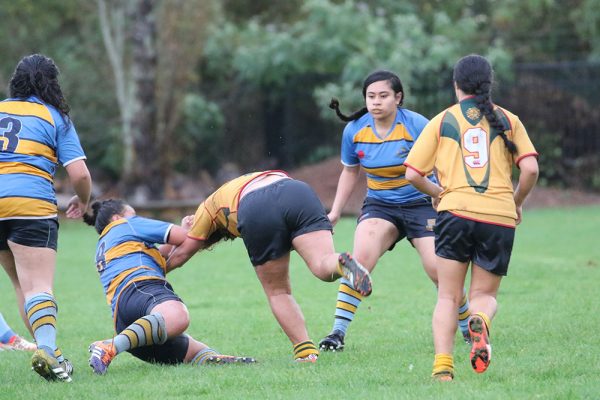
pixel 126 253
pixel 382 155
pixel 34 138
pixel 472 162
pixel 219 210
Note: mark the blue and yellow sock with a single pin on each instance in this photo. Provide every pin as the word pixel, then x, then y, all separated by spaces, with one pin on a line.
pixel 203 355
pixel 5 332
pixel 145 331
pixel 41 311
pixel 348 301
pixel 463 314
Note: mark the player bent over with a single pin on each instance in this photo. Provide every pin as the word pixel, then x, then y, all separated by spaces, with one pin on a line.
pixel 150 319
pixel 274 214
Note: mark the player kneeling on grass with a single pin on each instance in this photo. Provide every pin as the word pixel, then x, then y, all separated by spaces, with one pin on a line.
pixel 273 213
pixel 150 319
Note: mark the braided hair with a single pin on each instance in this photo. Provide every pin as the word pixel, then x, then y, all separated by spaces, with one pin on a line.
pixel 37 75
pixel 380 75
pixel 102 212
pixel 473 75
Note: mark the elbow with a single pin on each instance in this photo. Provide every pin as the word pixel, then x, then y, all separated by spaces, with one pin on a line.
pixel 412 176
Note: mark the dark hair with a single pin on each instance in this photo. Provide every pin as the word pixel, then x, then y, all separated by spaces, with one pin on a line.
pixel 473 75
pixel 102 212
pixel 217 236
pixel 37 75
pixel 380 75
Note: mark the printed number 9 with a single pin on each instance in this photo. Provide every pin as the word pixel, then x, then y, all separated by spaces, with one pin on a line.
pixel 475 142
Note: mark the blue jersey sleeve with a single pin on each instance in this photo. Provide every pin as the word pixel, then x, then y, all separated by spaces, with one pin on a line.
pixel 151 230
pixel 68 147
pixel 348 155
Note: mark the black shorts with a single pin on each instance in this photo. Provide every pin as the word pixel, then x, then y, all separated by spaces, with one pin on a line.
pixel 413 220
pixel 271 216
pixel 29 232
pixel 136 301
pixel 464 240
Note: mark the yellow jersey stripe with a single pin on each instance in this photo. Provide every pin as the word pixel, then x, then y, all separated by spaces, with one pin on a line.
pixel 26 207
pixel 20 168
pixel 134 247
pixel 383 185
pixel 117 280
pixel 366 135
pixel 39 306
pixel 112 225
pixel 33 148
pixel 47 320
pixel 25 108
pixel 387 172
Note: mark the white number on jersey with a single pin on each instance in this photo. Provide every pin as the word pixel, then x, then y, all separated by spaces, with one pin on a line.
pixel 475 141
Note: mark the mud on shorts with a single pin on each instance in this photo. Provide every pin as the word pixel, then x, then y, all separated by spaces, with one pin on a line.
pixel 138 300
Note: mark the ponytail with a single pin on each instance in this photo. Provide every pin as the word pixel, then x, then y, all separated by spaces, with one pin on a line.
pixel 335 105
pixel 102 212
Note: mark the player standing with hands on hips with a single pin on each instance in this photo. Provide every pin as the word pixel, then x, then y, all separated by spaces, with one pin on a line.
pixel 473 145
pixel 36 134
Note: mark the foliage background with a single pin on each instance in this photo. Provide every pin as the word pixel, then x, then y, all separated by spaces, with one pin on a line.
pixel 238 85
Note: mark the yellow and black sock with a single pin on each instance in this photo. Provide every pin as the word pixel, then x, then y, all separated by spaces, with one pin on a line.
pixel 443 364
pixel 305 349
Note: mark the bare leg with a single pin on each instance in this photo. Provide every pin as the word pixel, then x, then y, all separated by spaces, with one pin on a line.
pixel 451 275
pixel 35 268
pixel 483 291
pixel 274 277
pixel 425 246
pixel 317 251
pixel 8 263
pixel 372 238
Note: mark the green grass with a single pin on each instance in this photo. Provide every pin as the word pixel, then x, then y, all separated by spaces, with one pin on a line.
pixel 545 334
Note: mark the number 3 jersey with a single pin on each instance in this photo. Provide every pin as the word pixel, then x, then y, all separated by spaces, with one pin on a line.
pixel 126 253
pixel 473 164
pixel 34 138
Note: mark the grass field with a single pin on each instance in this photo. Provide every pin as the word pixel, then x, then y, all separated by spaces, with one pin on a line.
pixel 545 335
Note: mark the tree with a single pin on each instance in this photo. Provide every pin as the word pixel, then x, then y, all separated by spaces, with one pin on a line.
pixel 153 60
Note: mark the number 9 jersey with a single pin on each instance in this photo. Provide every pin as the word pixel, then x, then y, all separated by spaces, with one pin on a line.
pixel 473 164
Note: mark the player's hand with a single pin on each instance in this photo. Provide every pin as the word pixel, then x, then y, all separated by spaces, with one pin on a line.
pixel 333 217
pixel 187 222
pixel 76 208
pixel 519 214
pixel 435 202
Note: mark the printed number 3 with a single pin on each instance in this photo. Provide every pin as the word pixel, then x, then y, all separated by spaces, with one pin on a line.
pixel 476 143
pixel 9 129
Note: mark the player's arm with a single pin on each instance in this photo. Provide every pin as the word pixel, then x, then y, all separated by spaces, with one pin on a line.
pixel 80 178
pixel 423 184
pixel 346 184
pixel 184 252
pixel 527 180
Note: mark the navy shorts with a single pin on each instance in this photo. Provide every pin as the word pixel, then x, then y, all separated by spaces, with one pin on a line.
pixel 136 301
pixel 413 220
pixel 29 232
pixel 270 217
pixel 464 240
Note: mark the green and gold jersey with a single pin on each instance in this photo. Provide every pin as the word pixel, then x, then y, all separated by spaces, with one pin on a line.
pixel 473 165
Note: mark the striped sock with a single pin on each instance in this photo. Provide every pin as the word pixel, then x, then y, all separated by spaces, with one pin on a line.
pixel 59 355
pixel 5 332
pixel 464 314
pixel 486 319
pixel 41 311
pixel 443 363
pixel 145 331
pixel 201 357
pixel 304 349
pixel 348 301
